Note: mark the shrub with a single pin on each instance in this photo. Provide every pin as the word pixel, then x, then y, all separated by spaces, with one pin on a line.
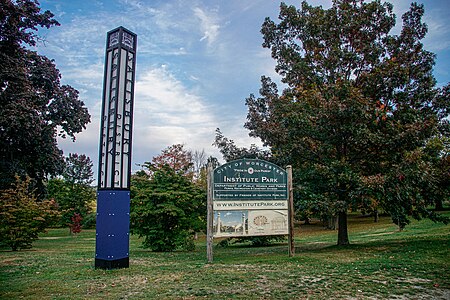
pixel 255 241
pixel 75 225
pixel 166 209
pixel 89 221
pixel 22 217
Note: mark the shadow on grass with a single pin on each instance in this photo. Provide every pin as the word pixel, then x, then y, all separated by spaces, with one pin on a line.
pixel 394 245
pixel 405 249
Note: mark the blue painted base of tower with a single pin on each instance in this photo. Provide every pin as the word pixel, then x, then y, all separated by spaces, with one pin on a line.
pixel 112 264
pixel 112 229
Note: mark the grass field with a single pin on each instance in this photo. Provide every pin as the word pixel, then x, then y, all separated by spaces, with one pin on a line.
pixel 380 263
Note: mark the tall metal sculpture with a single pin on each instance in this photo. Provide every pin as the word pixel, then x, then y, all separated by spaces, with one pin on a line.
pixel 113 195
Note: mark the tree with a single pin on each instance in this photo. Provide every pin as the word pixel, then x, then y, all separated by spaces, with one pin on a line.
pixel 191 164
pixel 34 107
pixel 22 217
pixel 78 169
pixel 199 161
pixel 176 157
pixel 75 225
pixel 359 106
pixel 199 166
pixel 73 192
pixel 230 151
pixel 437 154
pixel 167 209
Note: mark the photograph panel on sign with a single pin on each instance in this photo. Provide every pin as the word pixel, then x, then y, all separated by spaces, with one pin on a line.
pixel 230 223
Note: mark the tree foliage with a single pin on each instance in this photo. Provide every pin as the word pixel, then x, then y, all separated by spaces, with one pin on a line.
pixel 75 225
pixel 35 107
pixel 73 192
pixel 230 151
pixel 22 217
pixel 188 163
pixel 177 158
pixel 78 169
pixel 359 107
pixel 166 209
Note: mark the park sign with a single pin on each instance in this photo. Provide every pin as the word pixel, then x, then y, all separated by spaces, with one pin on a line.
pixel 249 198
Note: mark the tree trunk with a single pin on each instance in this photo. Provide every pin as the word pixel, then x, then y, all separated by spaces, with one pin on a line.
pixel 342 230
pixel 331 222
pixel 376 216
pixel 438 205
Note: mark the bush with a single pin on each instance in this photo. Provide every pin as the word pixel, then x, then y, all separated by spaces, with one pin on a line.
pixel 22 218
pixel 75 225
pixel 255 241
pixel 166 209
pixel 89 221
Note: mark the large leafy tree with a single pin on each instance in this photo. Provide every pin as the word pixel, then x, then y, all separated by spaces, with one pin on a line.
pixel 35 107
pixel 359 106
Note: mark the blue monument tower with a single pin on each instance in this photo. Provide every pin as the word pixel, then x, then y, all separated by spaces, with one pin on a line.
pixel 113 193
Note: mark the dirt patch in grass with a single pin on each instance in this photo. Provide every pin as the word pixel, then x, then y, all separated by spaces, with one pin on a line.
pixel 12 261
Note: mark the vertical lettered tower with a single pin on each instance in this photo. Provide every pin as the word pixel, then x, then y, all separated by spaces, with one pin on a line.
pixel 113 195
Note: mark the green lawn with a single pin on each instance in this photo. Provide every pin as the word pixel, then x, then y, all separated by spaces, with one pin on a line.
pixel 381 263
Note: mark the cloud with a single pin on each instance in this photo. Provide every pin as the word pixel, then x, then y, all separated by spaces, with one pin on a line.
pixel 166 112
pixel 88 79
pixel 168 109
pixel 208 25
pixel 438 36
pixel 165 97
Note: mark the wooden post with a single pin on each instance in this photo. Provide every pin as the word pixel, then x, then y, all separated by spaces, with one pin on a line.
pixel 291 212
pixel 209 216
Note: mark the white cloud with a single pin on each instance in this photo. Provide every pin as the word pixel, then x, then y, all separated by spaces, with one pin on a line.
pixel 438 36
pixel 166 112
pixel 208 24
pixel 163 95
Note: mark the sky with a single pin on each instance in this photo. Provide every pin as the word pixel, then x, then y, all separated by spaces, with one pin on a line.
pixel 197 62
